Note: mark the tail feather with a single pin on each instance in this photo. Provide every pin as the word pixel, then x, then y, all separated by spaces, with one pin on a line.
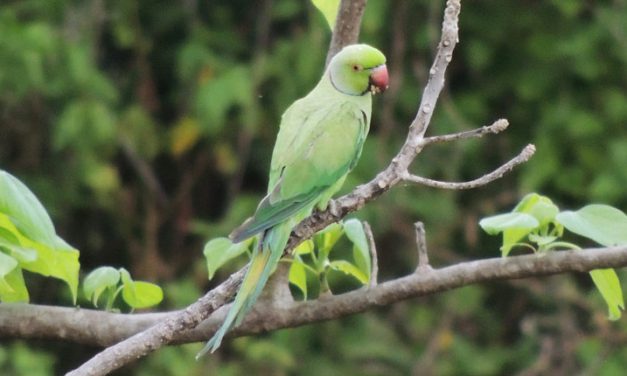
pixel 274 244
pixel 262 264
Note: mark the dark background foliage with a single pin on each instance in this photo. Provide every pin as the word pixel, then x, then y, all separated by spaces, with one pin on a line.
pixel 146 128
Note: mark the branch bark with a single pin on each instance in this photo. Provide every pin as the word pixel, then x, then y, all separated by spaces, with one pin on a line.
pixel 523 157
pixel 104 328
pixel 347 23
pixel 162 332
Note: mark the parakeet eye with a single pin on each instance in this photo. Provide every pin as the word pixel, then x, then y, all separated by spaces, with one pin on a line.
pixel 357 67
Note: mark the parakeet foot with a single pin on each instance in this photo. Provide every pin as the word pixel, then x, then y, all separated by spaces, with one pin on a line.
pixel 334 209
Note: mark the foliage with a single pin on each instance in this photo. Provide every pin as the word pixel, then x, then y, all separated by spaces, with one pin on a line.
pixel 329 10
pixel 538 221
pixel 136 294
pixel 107 114
pixel 28 241
pixel 28 237
pixel 310 257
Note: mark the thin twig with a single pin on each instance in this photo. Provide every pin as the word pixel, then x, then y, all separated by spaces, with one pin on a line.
pixel 523 157
pixel 421 244
pixel 496 127
pixel 374 269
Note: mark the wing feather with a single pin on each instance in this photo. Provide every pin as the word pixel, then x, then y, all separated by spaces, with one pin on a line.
pixel 316 146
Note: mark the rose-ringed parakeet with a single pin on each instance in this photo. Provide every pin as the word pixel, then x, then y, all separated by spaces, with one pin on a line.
pixel 319 142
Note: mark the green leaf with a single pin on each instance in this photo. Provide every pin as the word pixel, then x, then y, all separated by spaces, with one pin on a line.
pixel 540 207
pixel 98 281
pixel 514 226
pixel 28 233
pixel 602 223
pixel 219 251
pixel 354 230
pixel 12 287
pixel 349 269
pixel 139 294
pixel 326 239
pixel 542 240
pixel 7 264
pixel 60 262
pixel 608 285
pixel 24 210
pixel 329 9
pixel 54 259
pixel 298 276
pixel 498 223
pixel 23 255
pixel 304 248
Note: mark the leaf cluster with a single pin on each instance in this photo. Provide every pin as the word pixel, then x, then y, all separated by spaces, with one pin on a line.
pixel 537 224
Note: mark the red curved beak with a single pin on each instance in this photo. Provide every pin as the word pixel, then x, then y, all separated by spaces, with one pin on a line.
pixel 379 79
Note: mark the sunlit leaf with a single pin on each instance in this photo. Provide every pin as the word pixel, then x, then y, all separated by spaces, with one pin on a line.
pixel 139 294
pixel 24 210
pixel 54 259
pixel 540 207
pixel 98 281
pixel 326 239
pixel 219 251
pixel 298 276
pixel 7 264
pixel 349 269
pixel 12 287
pixel 304 248
pixel 604 224
pixel 501 222
pixel 329 9
pixel 514 226
pixel 60 262
pixel 354 230
pixel 608 285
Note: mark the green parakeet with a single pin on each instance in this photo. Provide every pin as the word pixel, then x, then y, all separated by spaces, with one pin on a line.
pixel 319 142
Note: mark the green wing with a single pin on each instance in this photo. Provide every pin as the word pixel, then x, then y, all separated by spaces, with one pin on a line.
pixel 317 145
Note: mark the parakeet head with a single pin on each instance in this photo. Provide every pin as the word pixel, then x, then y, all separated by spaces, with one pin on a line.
pixel 359 69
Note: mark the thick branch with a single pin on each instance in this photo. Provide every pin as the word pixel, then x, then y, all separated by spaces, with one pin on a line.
pixel 347 23
pixel 163 331
pixel 102 328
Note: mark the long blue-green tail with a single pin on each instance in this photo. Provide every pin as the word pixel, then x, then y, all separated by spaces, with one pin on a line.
pixel 263 262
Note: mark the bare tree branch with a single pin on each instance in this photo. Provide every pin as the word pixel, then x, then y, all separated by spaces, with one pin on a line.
pixel 523 157
pixel 494 128
pixel 347 23
pixel 104 328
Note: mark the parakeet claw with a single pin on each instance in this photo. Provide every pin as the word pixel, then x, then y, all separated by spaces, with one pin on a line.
pixel 334 209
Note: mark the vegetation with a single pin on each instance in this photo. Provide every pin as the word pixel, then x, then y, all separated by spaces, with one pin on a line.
pixel 146 128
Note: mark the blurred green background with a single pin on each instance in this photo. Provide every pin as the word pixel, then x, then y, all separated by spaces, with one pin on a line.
pixel 146 128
